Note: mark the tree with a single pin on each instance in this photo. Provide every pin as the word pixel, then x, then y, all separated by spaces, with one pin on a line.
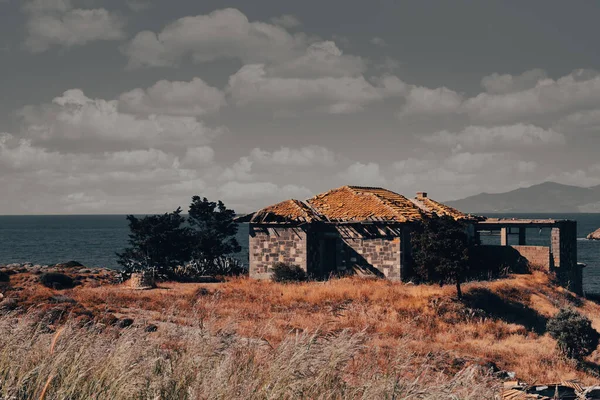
pixel 441 251
pixel 158 243
pixel 574 334
pixel 213 231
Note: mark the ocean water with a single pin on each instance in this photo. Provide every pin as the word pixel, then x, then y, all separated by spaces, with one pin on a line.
pixel 94 239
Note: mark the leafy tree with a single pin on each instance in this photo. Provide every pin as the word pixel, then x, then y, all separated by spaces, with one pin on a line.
pixel 158 243
pixel 574 334
pixel 441 251
pixel 213 231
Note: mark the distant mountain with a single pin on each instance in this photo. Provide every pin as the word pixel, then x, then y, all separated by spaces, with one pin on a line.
pixel 542 198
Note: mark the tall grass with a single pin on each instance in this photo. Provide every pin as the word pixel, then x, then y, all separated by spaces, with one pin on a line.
pixel 97 362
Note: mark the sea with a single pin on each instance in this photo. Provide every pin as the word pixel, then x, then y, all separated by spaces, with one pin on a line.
pixel 94 240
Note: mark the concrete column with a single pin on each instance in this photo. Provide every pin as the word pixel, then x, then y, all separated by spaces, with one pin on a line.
pixel 504 236
pixel 522 237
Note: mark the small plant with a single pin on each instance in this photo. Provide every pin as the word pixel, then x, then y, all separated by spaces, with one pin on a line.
pixel 283 272
pixel 575 336
pixel 4 277
pixel 56 281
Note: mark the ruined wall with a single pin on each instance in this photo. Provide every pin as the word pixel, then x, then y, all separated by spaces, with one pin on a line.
pixel 270 245
pixel 564 251
pixel 536 255
pixel 370 249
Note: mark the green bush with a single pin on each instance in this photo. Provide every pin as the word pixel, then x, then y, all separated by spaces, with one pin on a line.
pixel 283 272
pixel 4 277
pixel 574 333
pixel 56 281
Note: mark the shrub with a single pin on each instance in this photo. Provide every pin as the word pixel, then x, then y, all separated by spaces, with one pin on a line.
pixel 4 277
pixel 56 281
pixel 283 272
pixel 575 336
pixel 199 269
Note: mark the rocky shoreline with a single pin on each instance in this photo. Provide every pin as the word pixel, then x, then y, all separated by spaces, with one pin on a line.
pixel 594 235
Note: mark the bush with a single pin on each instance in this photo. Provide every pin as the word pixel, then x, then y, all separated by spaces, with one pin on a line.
pixel 221 266
pixel 4 277
pixel 56 281
pixel 283 272
pixel 574 333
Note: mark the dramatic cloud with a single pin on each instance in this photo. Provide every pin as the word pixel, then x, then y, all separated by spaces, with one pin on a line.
pixel 580 89
pixel 193 98
pixel 510 99
pixel 479 137
pixel 57 23
pixel 222 34
pixel 96 123
pixel 425 101
pixel 251 85
pixel 501 84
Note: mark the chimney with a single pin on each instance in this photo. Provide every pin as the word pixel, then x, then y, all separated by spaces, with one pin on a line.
pixel 421 195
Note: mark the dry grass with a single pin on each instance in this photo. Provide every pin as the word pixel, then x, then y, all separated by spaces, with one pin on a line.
pixel 345 338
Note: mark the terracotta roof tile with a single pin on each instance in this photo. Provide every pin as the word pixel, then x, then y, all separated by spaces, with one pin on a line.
pixel 354 204
pixel 289 210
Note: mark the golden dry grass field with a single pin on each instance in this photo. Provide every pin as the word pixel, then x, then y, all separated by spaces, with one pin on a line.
pixel 343 338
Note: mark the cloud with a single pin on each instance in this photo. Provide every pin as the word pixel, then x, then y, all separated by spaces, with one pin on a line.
pixel 222 34
pixel 240 171
pixel 587 120
pixel 506 83
pixel 580 89
pixel 262 190
pixel 320 59
pixel 379 42
pixel 479 137
pixel 138 5
pixel 425 101
pixel 363 174
pixel 508 98
pixel 95 124
pixel 287 21
pixel 198 156
pixel 462 174
pixel 303 157
pixel 57 23
pixel 252 85
pixel 194 98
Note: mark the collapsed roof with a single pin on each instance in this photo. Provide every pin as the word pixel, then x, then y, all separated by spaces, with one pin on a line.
pixel 351 204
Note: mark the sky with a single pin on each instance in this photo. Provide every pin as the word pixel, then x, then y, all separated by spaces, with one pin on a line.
pixel 134 106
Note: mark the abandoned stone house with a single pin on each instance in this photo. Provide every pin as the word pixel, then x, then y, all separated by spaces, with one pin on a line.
pixel 364 229
pixel 367 230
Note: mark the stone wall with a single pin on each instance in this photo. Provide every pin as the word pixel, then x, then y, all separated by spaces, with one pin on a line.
pixel 269 246
pixel 564 250
pixel 370 249
pixel 536 255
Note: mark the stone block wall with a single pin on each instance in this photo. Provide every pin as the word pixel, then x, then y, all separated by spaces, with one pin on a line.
pixel 536 255
pixel 564 251
pixel 382 254
pixel 270 245
pixel 370 250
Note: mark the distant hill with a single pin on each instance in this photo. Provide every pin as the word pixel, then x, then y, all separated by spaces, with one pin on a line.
pixel 542 198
